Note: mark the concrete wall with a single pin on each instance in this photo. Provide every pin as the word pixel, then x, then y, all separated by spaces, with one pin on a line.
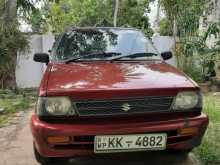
pixel 165 43
pixel 29 73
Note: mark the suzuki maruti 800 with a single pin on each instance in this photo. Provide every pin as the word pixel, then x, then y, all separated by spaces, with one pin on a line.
pixel 108 90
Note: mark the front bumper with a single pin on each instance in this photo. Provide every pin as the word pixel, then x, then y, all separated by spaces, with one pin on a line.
pixel 83 134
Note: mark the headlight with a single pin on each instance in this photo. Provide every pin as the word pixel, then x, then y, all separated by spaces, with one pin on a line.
pixel 187 100
pixel 56 106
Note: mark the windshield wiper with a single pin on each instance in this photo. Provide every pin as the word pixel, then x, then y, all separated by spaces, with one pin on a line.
pixel 91 55
pixel 135 55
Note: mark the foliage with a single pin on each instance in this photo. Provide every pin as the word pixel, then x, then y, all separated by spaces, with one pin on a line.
pixel 132 12
pixel 165 27
pixel 65 13
pixel 209 151
pixel 192 48
pixel 205 56
pixel 193 71
pixel 26 7
pixel 186 13
pixel 37 22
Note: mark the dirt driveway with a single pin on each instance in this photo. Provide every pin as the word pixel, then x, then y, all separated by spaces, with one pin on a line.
pixel 16 149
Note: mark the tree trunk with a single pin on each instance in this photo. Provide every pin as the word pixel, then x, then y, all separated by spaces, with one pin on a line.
pixel 175 41
pixel 116 12
pixel 174 31
pixel 157 20
pixel 11 77
pixel 10 18
pixel 10 13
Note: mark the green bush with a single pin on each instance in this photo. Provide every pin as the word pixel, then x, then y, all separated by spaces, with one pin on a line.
pixel 194 72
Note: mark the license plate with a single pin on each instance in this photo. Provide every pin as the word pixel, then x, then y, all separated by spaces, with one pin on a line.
pixel 129 143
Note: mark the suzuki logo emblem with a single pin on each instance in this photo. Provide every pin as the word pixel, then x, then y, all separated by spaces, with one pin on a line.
pixel 126 107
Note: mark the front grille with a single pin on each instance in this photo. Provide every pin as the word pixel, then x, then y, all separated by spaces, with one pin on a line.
pixel 124 106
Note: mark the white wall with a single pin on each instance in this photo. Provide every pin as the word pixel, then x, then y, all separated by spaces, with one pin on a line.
pixel 28 72
pixel 165 43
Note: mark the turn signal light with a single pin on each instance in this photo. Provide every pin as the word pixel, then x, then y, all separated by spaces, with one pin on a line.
pixel 188 131
pixel 58 139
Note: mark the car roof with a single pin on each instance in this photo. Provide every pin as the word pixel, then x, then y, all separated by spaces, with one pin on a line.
pixel 97 28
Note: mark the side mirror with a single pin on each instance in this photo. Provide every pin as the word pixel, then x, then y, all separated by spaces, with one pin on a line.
pixel 41 57
pixel 167 55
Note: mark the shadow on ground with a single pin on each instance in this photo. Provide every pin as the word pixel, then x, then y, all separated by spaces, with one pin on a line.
pixel 151 158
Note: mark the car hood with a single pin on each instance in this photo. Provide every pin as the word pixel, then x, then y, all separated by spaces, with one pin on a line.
pixel 87 80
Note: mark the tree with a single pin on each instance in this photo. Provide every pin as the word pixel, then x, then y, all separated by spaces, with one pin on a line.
pixel 133 13
pixel 11 39
pixel 165 27
pixel 93 13
pixel 192 48
pixel 207 55
pixel 38 21
pixel 186 14
pixel 116 12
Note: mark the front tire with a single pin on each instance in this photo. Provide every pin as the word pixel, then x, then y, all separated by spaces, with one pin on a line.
pixel 40 159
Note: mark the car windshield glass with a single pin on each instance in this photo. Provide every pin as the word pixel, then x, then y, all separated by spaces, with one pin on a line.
pixel 80 43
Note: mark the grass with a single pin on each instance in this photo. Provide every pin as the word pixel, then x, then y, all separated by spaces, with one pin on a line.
pixel 11 103
pixel 209 151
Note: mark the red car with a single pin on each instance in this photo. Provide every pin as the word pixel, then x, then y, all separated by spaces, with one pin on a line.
pixel 108 90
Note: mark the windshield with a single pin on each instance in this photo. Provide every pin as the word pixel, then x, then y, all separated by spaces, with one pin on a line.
pixel 80 42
